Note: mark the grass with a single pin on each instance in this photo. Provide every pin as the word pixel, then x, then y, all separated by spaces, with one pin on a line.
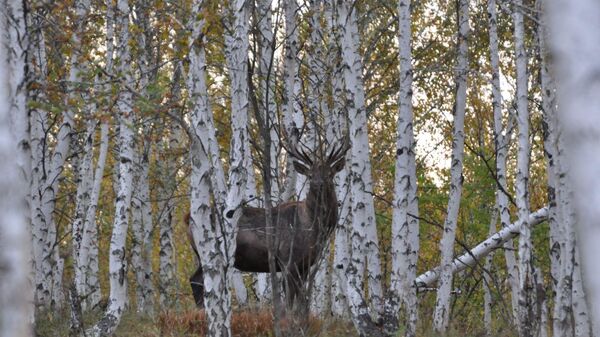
pixel 247 322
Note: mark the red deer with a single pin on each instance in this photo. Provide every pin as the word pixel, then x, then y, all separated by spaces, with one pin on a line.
pixel 302 227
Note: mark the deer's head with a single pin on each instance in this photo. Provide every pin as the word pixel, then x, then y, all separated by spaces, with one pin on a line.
pixel 318 167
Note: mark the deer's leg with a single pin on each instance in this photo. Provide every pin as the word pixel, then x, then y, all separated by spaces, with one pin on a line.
pixel 295 281
pixel 197 283
pixel 291 289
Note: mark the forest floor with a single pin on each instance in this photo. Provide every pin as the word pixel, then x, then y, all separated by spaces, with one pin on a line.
pixel 252 322
pixel 249 322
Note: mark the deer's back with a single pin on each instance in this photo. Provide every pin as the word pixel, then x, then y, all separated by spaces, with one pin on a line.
pixel 293 233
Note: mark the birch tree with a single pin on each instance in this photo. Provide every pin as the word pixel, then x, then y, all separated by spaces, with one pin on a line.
pixel 93 290
pixel 166 271
pixel 501 143
pixel 569 295
pixel 169 169
pixel 574 46
pixel 81 247
pixel 487 277
pixel 242 184
pixel 216 255
pixel 16 307
pixel 337 125
pixel 581 312
pixel 558 256
pixel 405 226
pixel 320 126
pixel 442 307
pixel 268 109
pixel 266 75
pixel 141 226
pixel 478 252
pixel 339 300
pixel 364 231
pixel 293 119
pixel 526 282
pixel 84 176
pixel 88 256
pixel 117 262
pixel 142 217
pixel 49 165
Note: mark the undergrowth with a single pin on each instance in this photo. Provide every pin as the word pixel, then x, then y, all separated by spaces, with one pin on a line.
pixel 247 322
pixel 250 322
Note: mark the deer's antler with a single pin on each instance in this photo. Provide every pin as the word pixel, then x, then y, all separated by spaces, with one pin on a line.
pixel 338 153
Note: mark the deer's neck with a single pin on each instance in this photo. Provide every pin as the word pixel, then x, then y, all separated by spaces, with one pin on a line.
pixel 321 204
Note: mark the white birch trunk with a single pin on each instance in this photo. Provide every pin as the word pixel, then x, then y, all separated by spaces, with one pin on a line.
pixel 542 303
pixel 442 308
pixel 320 303
pixel 167 263
pixel 501 142
pixel 337 126
pixel 405 228
pixel 15 305
pixel 81 247
pixel 575 46
pixel 205 238
pixel 242 181
pixel 339 300
pixel 559 220
pixel 84 176
pixel 16 310
pixel 167 266
pixel 144 236
pixel 363 211
pixel 526 281
pixel 580 305
pixel 241 173
pixel 14 60
pixel 90 226
pixel 359 308
pixel 318 113
pixel 48 280
pixel 550 151
pixel 117 262
pixel 39 122
pixel 141 225
pixel 566 234
pixel 148 240
pixel 48 173
pixel 293 118
pixel 315 91
pixel 487 277
pixel 52 263
pixel 267 74
pixel 482 249
pixel 40 210
pixel 213 254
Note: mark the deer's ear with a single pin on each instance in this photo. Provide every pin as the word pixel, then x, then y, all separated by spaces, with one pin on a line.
pixel 338 165
pixel 300 168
